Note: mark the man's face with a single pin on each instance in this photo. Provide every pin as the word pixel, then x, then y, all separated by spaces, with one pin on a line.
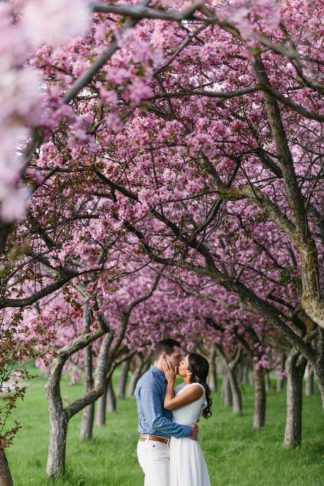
pixel 175 357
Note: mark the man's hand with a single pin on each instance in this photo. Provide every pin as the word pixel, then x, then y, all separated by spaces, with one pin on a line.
pixel 169 371
pixel 194 432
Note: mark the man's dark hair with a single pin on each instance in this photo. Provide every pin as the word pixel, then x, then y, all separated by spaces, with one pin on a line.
pixel 165 346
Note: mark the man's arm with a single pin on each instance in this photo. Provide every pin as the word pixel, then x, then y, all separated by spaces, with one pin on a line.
pixel 153 411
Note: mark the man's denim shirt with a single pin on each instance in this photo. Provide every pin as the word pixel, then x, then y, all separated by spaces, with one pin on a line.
pixel 154 419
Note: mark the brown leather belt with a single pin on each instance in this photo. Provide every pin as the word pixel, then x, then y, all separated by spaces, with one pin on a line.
pixel 154 437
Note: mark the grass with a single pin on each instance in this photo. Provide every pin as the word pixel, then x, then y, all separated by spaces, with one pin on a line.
pixel 236 455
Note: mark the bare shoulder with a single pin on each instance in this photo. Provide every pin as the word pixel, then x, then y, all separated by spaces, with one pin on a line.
pixel 198 386
pixel 193 389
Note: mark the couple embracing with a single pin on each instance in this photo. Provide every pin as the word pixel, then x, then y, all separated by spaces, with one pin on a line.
pixel 168 450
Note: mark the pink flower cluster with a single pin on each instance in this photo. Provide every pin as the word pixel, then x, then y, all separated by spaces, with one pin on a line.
pixel 38 21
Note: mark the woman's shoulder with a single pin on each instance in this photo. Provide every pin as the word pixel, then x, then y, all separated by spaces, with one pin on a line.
pixel 180 387
pixel 200 385
pixel 183 386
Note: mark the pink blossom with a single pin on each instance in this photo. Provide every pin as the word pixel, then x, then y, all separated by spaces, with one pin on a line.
pixel 13 205
pixel 55 20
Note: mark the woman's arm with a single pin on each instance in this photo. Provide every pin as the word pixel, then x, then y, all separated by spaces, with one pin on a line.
pixel 188 395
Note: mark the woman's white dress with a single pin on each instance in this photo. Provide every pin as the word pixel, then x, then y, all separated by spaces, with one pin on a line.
pixel 188 465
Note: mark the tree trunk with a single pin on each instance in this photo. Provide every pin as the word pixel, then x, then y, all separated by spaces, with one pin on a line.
pixel 319 375
pixel 295 367
pixel 212 377
pixel 318 367
pixel 123 379
pixel 57 445
pixel 101 409
pixel 281 379
pixel 5 476
pixel 135 376
pixel 59 416
pixel 111 397
pixel 267 381
pixel 58 424
pixel 132 384
pixel 309 384
pixel 86 430
pixel 236 392
pixel 245 377
pixel 227 391
pixel 259 398
pixel 320 383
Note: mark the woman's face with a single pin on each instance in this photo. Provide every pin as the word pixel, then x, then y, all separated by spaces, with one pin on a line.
pixel 183 366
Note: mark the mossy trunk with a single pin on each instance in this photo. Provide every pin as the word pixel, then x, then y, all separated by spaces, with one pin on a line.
pixel 5 475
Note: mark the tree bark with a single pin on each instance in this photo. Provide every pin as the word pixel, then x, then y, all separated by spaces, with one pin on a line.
pixel 132 384
pixel 245 373
pixel 212 377
pixel 281 379
pixel 319 373
pixel 309 384
pixel 138 372
pixel 260 398
pixel 101 409
pixel 295 367
pixel 230 375
pixel 227 391
pixel 111 397
pixel 267 381
pixel 5 475
pixel 312 300
pixel 123 379
pixel 280 382
pixel 318 365
pixel 236 392
pixel 58 423
pixel 86 429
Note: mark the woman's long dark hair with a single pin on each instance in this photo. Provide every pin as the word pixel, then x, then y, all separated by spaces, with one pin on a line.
pixel 199 367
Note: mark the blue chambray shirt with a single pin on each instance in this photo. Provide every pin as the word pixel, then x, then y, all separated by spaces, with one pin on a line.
pixel 154 419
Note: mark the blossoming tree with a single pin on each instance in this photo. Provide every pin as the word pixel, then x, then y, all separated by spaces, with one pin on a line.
pixel 183 134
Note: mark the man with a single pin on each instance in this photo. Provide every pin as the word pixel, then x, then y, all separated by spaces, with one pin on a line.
pixel 155 423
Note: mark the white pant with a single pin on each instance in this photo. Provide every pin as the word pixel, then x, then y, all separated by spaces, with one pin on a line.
pixel 154 459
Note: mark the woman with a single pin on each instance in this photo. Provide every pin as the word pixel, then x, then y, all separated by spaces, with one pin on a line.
pixel 187 402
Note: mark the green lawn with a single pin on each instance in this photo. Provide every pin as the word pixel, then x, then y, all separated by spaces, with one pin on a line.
pixel 235 454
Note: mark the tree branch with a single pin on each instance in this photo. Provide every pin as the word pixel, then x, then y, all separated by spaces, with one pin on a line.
pixel 139 12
